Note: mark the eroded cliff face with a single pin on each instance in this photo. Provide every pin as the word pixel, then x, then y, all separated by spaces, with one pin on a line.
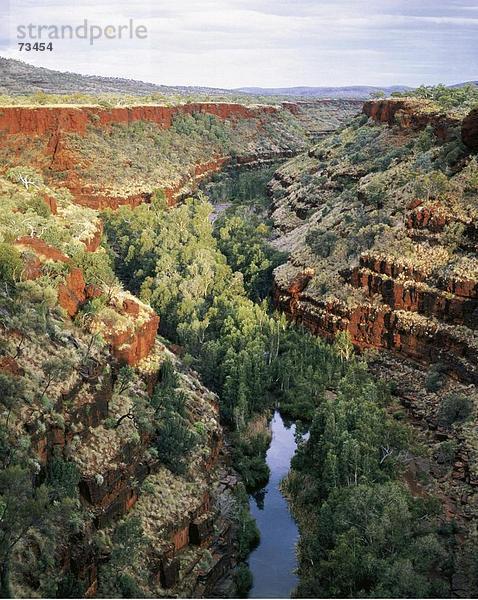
pixel 469 130
pixel 411 114
pixel 52 127
pixel 119 156
pixel 387 255
pixel 61 119
pixel 119 477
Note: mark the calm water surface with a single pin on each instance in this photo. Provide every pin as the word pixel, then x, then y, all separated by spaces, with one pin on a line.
pixel 272 563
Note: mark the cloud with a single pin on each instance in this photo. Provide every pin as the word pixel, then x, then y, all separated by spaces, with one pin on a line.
pixel 232 43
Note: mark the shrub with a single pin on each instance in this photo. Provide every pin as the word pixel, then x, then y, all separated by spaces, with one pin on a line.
pixel 97 268
pixel 248 536
pixel 174 441
pixel 454 234
pixel 455 408
pixel 38 206
pixel 166 396
pixel 322 243
pixel 63 477
pixel 242 580
pixel 10 390
pixel 435 380
pixel 431 185
pixel 11 264
pixel 445 454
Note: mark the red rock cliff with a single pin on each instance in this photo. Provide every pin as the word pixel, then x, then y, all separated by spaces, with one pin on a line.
pixel 134 340
pixel 409 114
pixel 48 120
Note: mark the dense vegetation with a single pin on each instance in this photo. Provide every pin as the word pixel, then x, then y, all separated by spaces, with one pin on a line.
pixel 356 452
pixel 174 261
pixel 362 532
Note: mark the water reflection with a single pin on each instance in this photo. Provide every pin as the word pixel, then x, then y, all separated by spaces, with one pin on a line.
pixel 273 562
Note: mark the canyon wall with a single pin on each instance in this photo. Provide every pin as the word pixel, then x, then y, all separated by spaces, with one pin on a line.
pixel 113 464
pixel 52 125
pixel 409 114
pixel 63 141
pixel 392 303
pixel 75 119
pixel 469 130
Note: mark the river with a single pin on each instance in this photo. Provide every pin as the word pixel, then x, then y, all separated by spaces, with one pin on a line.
pixel 273 562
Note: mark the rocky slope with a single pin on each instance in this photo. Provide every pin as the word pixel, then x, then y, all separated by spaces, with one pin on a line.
pixel 65 338
pixel 382 246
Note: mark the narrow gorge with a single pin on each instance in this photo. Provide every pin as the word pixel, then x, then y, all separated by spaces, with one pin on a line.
pixel 176 282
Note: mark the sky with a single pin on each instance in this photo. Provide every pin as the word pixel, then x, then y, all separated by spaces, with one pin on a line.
pixel 266 43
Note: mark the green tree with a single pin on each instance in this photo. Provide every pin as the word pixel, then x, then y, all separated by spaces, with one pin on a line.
pixel 11 264
pixel 24 509
pixel 173 441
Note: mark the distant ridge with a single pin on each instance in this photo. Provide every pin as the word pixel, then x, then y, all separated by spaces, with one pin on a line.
pixel 352 91
pixel 17 77
pixel 458 85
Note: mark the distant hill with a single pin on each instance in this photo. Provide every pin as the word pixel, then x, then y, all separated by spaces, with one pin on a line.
pixel 17 77
pixel 458 85
pixel 353 91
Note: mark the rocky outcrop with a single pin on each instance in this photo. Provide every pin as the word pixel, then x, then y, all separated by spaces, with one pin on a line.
pixel 431 218
pixel 465 288
pixel 71 293
pixel 422 299
pixel 41 249
pixel 92 244
pixel 186 527
pixel 469 130
pixel 50 201
pixel 134 336
pixel 100 201
pixel 385 111
pixel 409 114
pixel 370 326
pixel 9 365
